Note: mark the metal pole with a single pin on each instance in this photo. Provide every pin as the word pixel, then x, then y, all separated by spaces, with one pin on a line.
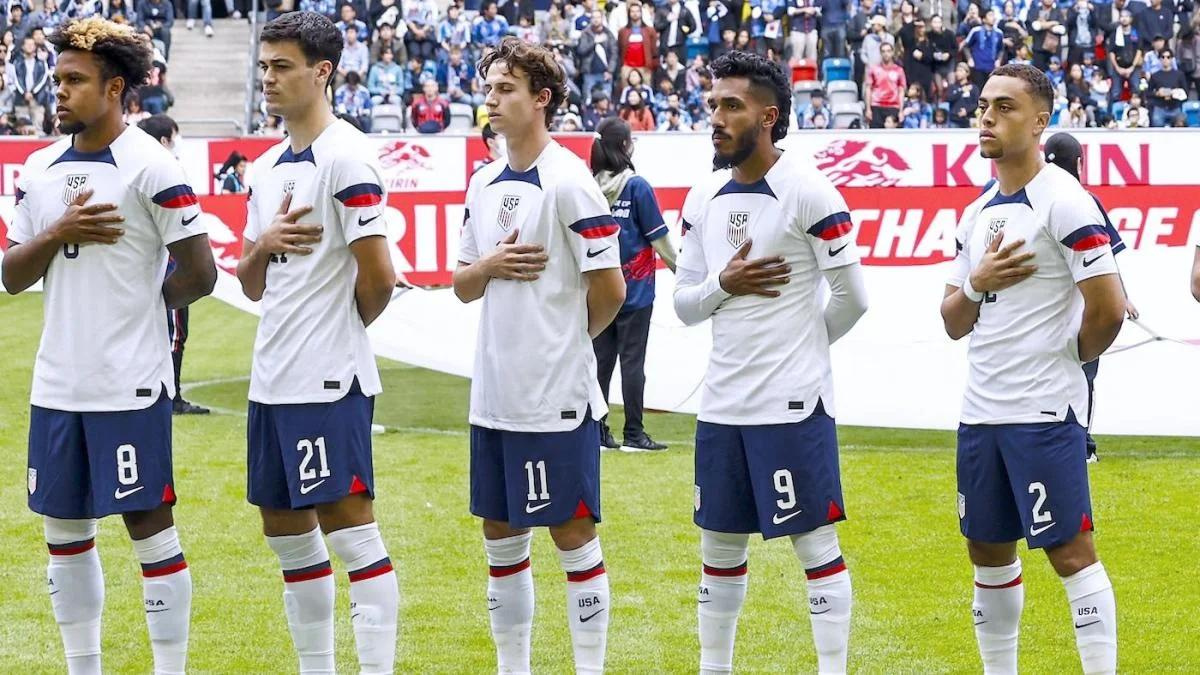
pixel 252 74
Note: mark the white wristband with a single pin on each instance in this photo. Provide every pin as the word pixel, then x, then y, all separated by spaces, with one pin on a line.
pixel 969 291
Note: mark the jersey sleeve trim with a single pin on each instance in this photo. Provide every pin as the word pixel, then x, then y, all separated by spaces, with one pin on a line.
pixel 596 227
pixel 832 226
pixel 360 195
pixel 1086 238
pixel 657 233
pixel 177 197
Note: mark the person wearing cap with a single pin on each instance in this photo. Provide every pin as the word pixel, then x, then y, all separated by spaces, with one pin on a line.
pixel 872 46
pixel 1167 91
pixel 1065 152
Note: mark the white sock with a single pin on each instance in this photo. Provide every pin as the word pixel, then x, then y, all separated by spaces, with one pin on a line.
pixel 307 598
pixel 722 591
pixel 76 586
pixel 829 596
pixel 167 590
pixel 588 604
pixel 999 599
pixel 510 600
pixel 1094 611
pixel 374 595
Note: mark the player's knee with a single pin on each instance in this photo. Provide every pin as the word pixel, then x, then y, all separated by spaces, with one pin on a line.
pixel 285 523
pixel 496 529
pixel 573 534
pixel 1073 556
pixel 989 554
pixel 63 531
pixel 723 550
pixel 144 524
pixel 817 547
pixel 350 511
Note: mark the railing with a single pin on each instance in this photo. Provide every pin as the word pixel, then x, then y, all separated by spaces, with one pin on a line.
pixel 241 128
pixel 252 75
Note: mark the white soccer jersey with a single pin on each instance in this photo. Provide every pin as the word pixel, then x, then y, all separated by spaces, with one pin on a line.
pixel 1024 354
pixel 770 356
pixel 311 342
pixel 104 344
pixel 534 365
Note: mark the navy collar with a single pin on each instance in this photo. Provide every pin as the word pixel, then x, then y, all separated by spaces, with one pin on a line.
pixel 1018 197
pixel 759 186
pixel 104 156
pixel 529 175
pixel 305 155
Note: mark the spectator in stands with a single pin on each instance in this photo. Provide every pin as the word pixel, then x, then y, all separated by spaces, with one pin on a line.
pixel 18 23
pixel 1013 28
pixel 385 81
pixel 859 28
pixel 430 112
pixel 970 21
pixel 49 18
pixel 1124 57
pixel 902 26
pixel 1075 116
pixel 803 18
pixel 133 109
pixel 355 57
pixel 232 174
pixel 941 119
pixel 943 46
pixel 581 14
pixel 915 113
pixel 637 114
pixel 31 84
pixel 1083 29
pixel 984 48
pixel 1141 117
pixel 673 116
pixel 155 18
pixel 947 9
pixel 835 15
pixel 494 145
pixel 454 31
pixel 419 16
pixel 386 39
pixel 1057 77
pixel 890 121
pixel 1156 19
pixel 349 19
pixel 817 105
pixel 383 11
pixel 156 96
pixel 43 49
pixel 675 24
pixel 204 9
pixel 1189 51
pixel 353 100
pixel 673 71
pixel 637 44
pixel 598 110
pixel 1047 28
pixel 513 10
pixel 872 47
pixel 490 26
pixel 963 98
pixel 918 61
pixel 1167 91
pixel 884 87
pixel 820 121
pixel 457 78
pixel 597 52
pixel 325 7
pixel 555 30
pixel 727 44
pixel 634 82
pixel 1076 86
pixel 7 93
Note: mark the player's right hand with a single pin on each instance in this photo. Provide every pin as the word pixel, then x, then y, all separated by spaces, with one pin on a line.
pixel 517 262
pixel 754 277
pixel 285 235
pixel 92 224
pixel 1001 268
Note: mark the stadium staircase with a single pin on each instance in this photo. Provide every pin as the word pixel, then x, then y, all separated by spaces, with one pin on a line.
pixel 208 77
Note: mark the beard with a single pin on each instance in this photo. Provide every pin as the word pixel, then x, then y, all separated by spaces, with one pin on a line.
pixel 993 153
pixel 743 148
pixel 71 128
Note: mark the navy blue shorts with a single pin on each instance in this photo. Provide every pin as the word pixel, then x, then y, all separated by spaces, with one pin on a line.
pixel 533 479
pixel 777 479
pixel 1023 480
pixel 300 455
pixel 94 464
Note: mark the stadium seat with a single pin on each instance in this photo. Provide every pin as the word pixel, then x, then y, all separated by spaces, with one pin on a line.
pixel 462 118
pixel 387 119
pixel 834 69
pixel 1192 110
pixel 697 45
pixel 845 113
pixel 841 91
pixel 1054 116
pixel 804 69
pixel 802 92
pixel 1117 110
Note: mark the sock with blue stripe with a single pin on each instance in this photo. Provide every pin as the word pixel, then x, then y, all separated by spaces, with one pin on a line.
pixel 167 591
pixel 829 596
pixel 76 586
pixel 307 598
pixel 374 595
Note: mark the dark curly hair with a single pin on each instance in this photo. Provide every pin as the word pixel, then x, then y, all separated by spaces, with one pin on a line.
pixel 1039 85
pixel 318 38
pixel 763 74
pixel 537 63
pixel 121 51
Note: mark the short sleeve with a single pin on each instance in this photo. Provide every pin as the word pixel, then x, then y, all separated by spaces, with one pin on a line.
pixel 21 229
pixel 584 211
pixel 824 221
pixel 253 222
pixel 359 200
pixel 468 245
pixel 1078 226
pixel 174 207
pixel 961 267
pixel 649 217
pixel 1114 237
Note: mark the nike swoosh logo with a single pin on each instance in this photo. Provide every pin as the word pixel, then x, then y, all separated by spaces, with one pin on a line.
pixel 362 223
pixel 585 619
pixel 305 489
pixel 492 609
pixel 980 623
pixel 1088 624
pixel 828 610
pixel 834 251
pixel 122 494
pixel 56 592
pixel 699 602
pixel 777 520
pixel 189 221
pixel 529 508
pixel 1089 262
pixel 1035 531
pixel 593 254
pixel 155 611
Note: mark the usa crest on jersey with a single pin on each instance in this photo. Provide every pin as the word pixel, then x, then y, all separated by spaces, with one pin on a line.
pixel 508 211
pixel 995 227
pixel 736 231
pixel 76 183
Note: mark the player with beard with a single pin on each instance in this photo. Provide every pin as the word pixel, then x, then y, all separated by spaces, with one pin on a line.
pixel 762 235
pixel 96 215
pixel 1036 286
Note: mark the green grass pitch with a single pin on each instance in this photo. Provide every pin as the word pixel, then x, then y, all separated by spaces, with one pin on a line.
pixel 912 582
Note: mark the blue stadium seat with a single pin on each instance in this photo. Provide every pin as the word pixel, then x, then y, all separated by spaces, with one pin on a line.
pixel 833 69
pixel 697 45
pixel 1058 108
pixel 1192 110
pixel 1117 110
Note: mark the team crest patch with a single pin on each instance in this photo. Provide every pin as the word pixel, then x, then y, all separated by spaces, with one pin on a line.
pixel 508 211
pixel 76 183
pixel 697 496
pixel 995 228
pixel 962 506
pixel 289 186
pixel 32 480
pixel 738 228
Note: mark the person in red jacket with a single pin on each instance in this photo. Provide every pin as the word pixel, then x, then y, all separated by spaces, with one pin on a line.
pixel 637 44
pixel 431 111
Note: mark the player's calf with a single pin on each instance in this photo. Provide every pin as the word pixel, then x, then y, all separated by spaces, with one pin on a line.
pixel 374 594
pixel 307 593
pixel 829 595
pixel 1093 606
pixel 722 592
pixel 510 595
pixel 167 592
pixel 76 587
pixel 588 601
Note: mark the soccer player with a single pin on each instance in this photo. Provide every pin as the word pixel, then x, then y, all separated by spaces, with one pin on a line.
pixel 97 213
pixel 1035 284
pixel 762 235
pixel 316 255
pixel 539 246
